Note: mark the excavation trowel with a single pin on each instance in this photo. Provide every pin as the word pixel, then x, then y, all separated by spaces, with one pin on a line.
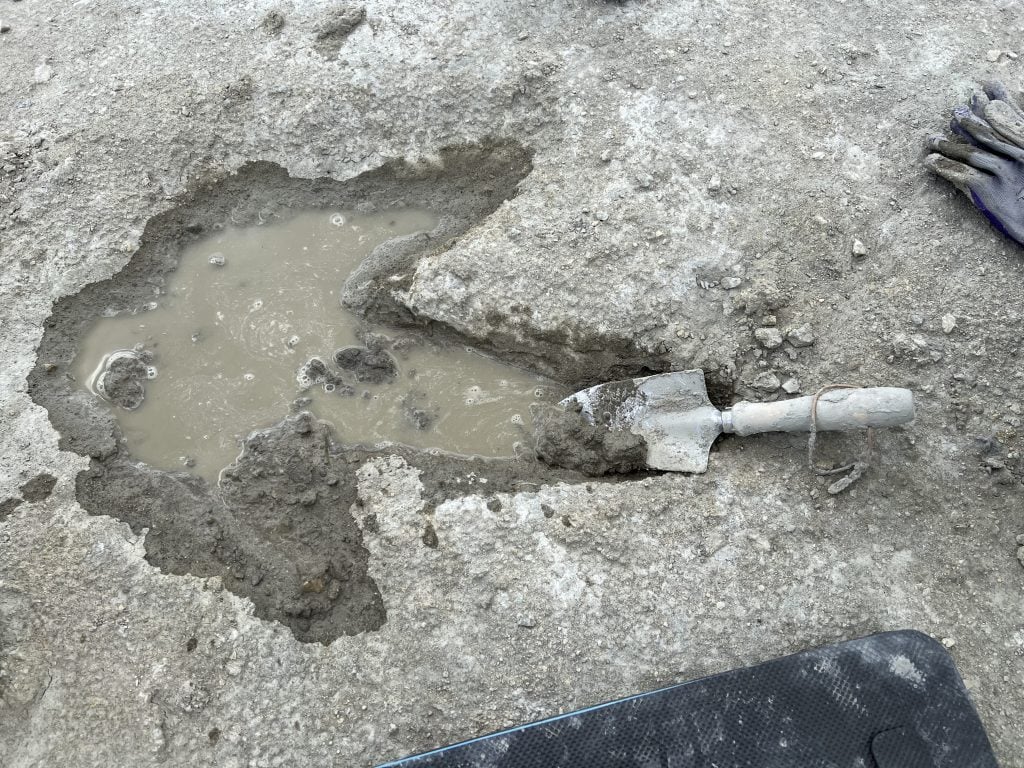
pixel 673 414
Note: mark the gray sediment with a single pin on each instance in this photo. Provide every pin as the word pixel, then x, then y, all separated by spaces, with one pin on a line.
pixel 564 438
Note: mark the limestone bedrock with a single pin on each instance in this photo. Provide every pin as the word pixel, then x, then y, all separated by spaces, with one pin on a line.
pixel 674 144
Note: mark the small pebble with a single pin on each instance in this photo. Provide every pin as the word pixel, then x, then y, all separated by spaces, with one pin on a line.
pixel 715 183
pixel 766 381
pixel 4 28
pixel 859 249
pixel 769 338
pixel 948 323
pixel 993 56
pixel 43 73
pixel 801 337
pixel 601 215
pixel 218 260
pixel 791 386
pixel 949 642
pixel 729 283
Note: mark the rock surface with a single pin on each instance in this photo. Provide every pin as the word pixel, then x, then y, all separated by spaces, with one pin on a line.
pixel 694 129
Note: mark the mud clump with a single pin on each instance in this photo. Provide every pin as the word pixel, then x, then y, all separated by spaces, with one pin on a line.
pixel 564 438
pixel 38 488
pixel 273 22
pixel 7 506
pixel 289 498
pixel 315 372
pixel 121 380
pixel 337 25
pixel 370 365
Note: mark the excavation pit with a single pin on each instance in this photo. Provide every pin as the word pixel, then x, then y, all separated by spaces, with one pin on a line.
pixel 250 326
pixel 278 524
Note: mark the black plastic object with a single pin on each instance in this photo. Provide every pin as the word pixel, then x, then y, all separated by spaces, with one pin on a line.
pixel 892 700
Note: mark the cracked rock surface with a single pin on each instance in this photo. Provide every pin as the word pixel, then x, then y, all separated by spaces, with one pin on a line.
pixel 699 172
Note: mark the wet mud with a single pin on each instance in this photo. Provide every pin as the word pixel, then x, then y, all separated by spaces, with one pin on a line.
pixel 7 506
pixel 279 527
pixel 564 438
pixel 38 488
pixel 369 366
pixel 123 379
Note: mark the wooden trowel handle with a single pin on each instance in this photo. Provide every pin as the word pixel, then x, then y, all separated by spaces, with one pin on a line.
pixel 838 411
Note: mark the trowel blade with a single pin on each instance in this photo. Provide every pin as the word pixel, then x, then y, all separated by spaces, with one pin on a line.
pixel 671 411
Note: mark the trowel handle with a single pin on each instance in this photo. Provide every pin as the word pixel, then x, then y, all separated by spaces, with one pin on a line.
pixel 839 410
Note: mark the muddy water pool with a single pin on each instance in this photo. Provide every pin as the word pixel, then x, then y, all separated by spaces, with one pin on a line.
pixel 250 327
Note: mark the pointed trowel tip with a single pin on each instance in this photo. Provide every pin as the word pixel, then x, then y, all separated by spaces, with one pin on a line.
pixel 680 441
